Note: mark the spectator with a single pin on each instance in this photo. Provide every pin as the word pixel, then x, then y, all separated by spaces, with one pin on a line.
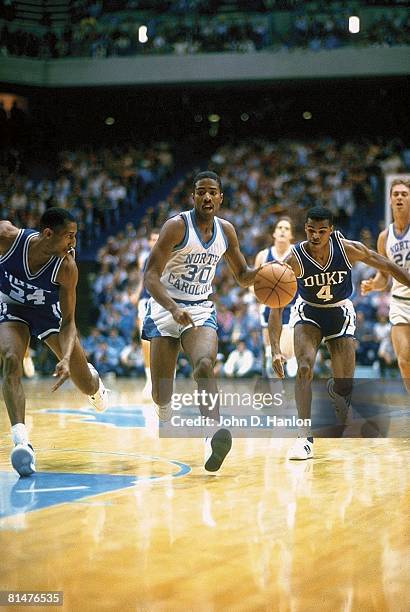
pixel 240 362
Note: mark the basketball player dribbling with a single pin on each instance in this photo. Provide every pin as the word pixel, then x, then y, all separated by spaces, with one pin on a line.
pixel 38 279
pixel 394 243
pixel 323 311
pixel 282 244
pixel 179 275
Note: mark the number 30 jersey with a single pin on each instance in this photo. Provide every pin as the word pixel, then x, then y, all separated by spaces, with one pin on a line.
pixel 18 285
pixel 398 250
pixel 189 273
pixel 324 285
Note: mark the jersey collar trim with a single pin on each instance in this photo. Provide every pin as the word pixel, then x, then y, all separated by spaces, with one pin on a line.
pixel 400 236
pixel 25 259
pixel 317 264
pixel 206 245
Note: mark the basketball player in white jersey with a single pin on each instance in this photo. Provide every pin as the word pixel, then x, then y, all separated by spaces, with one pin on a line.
pixel 282 245
pixel 179 276
pixel 38 278
pixel 143 297
pixel 394 243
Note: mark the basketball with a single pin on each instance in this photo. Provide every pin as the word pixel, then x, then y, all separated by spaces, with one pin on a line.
pixel 275 285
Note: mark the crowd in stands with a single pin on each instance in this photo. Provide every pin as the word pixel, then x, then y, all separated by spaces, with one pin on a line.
pixel 97 186
pixel 101 33
pixel 261 180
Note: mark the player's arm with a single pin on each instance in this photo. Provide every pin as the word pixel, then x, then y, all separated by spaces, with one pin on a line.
pixel 244 275
pixel 275 330
pixel 275 324
pixel 140 285
pixel 8 234
pixel 356 251
pixel 379 282
pixel 67 278
pixel 259 260
pixel 170 236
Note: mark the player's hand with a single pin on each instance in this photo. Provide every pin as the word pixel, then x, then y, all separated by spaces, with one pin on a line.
pixel 182 317
pixel 62 372
pixel 277 364
pixel 366 286
pixel 250 276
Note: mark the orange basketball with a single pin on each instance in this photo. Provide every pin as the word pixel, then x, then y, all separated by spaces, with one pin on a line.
pixel 275 285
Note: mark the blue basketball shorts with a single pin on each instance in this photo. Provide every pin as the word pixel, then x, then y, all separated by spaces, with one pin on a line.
pixel 333 321
pixel 42 321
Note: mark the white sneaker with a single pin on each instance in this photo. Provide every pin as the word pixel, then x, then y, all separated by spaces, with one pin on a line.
pixel 23 459
pixel 164 412
pixel 216 449
pixel 28 367
pixel 341 403
pixel 99 401
pixel 302 449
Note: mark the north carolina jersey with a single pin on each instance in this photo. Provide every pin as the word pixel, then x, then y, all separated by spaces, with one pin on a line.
pixel 18 285
pixel 398 251
pixel 271 254
pixel 189 273
pixel 324 285
pixel 144 295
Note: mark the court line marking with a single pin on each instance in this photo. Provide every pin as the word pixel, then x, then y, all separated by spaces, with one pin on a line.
pixel 52 489
pixel 184 469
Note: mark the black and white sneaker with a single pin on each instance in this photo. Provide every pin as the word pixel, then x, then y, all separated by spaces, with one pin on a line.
pixel 216 449
pixel 23 459
pixel 301 450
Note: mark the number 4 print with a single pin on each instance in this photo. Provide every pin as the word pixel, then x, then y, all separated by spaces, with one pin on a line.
pixel 324 293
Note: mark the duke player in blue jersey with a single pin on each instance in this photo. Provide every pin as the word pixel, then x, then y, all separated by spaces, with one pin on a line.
pixel 282 244
pixel 323 311
pixel 394 243
pixel 38 279
pixel 179 276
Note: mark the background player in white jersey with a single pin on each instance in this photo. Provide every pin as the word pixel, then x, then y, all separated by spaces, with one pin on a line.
pixel 179 276
pixel 282 243
pixel 394 243
pixel 38 279
pixel 322 265
pixel 143 297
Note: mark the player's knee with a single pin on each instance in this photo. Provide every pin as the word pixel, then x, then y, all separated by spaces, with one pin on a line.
pixel 12 365
pixel 204 368
pixel 305 371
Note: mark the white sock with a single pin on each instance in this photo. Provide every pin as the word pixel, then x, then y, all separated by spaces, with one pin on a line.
pixel 268 351
pixel 148 373
pixel 19 434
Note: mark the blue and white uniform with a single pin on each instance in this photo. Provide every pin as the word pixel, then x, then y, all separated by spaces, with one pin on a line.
pixel 29 298
pixel 398 251
pixel 188 277
pixel 324 291
pixel 269 255
pixel 144 295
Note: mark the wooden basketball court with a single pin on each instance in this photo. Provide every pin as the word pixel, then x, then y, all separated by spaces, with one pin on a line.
pixel 120 520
